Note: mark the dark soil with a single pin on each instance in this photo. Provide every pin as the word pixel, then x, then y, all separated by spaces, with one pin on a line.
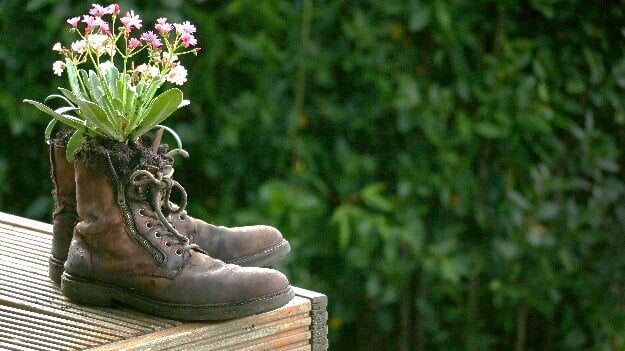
pixel 126 157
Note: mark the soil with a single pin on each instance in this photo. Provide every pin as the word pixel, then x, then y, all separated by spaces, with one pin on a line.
pixel 127 157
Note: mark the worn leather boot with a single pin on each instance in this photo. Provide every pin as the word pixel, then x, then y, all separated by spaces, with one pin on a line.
pixel 64 217
pixel 253 246
pixel 125 250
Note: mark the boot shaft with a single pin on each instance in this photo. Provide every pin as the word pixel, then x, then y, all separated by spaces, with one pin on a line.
pixel 116 230
pixel 64 216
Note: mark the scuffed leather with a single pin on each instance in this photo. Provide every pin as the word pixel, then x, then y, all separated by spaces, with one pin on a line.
pixel 64 216
pixel 103 250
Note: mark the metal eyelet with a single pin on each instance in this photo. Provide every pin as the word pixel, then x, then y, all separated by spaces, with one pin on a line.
pixel 148 225
pixel 157 234
pixel 182 217
pixel 179 252
pixel 141 212
pixel 168 244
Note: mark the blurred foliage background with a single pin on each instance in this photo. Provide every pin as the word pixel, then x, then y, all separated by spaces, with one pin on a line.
pixel 449 173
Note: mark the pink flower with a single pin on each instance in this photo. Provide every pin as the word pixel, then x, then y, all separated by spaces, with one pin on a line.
pixel 98 10
pixel 188 40
pixel 131 21
pixel 162 26
pixel 73 21
pixel 89 20
pixel 113 9
pixel 185 27
pixel 133 43
pixel 150 37
pixel 104 26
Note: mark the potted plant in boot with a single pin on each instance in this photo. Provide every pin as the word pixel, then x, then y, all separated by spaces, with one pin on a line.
pixel 126 246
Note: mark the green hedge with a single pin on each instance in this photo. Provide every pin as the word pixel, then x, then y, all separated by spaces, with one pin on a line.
pixel 448 172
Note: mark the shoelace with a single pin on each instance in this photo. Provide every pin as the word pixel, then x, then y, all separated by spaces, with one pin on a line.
pixel 162 186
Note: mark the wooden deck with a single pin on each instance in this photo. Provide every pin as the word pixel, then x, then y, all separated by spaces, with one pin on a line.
pixel 34 315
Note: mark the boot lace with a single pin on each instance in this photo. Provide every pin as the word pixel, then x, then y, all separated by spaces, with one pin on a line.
pixel 161 188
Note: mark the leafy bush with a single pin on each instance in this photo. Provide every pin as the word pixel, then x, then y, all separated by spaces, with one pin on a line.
pixel 448 172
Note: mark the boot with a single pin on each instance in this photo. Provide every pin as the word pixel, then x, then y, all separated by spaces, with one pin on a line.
pixel 64 217
pixel 124 250
pixel 252 246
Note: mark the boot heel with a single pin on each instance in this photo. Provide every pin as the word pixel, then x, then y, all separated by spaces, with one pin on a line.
pixel 55 269
pixel 86 293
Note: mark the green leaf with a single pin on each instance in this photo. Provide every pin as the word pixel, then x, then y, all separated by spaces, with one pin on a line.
pixel 73 143
pixel 173 133
pixel 161 108
pixel 49 129
pixel 95 88
pixel 71 96
pixel 61 97
pixel 72 75
pixel 373 197
pixel 73 122
pixel 96 115
pixel 111 80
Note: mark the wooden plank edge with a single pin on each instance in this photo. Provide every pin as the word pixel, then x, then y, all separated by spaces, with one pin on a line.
pixel 26 223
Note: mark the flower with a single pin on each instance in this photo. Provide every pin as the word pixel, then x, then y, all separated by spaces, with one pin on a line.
pixel 133 43
pixel 100 44
pixel 162 26
pixel 57 47
pixel 98 10
pixel 148 71
pixel 188 40
pixel 131 21
pixel 106 66
pixel 79 46
pixel 185 27
pixel 58 67
pixel 167 57
pixel 150 37
pixel 104 26
pixel 89 20
pixel 73 21
pixel 113 9
pixel 177 75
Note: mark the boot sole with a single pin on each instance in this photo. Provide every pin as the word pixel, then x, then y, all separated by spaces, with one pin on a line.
pixel 55 269
pixel 87 292
pixel 265 258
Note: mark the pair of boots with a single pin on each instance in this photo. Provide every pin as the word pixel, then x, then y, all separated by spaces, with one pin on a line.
pixel 119 238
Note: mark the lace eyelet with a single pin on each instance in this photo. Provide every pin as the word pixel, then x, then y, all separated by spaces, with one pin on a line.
pixel 168 244
pixel 182 217
pixel 141 212
pixel 148 225
pixel 179 252
pixel 157 234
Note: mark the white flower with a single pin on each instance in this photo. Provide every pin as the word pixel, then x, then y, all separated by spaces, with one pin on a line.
pixel 57 47
pixel 58 67
pixel 169 57
pixel 98 43
pixel 148 71
pixel 177 75
pixel 106 66
pixel 79 46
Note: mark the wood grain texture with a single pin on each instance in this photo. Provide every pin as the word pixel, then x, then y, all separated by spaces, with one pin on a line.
pixel 34 315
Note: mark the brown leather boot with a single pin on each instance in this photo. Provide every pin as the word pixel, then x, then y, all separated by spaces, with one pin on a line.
pixel 252 246
pixel 124 250
pixel 64 216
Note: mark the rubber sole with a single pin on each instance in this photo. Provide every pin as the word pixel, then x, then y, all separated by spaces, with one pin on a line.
pixel 265 258
pixel 55 269
pixel 88 292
